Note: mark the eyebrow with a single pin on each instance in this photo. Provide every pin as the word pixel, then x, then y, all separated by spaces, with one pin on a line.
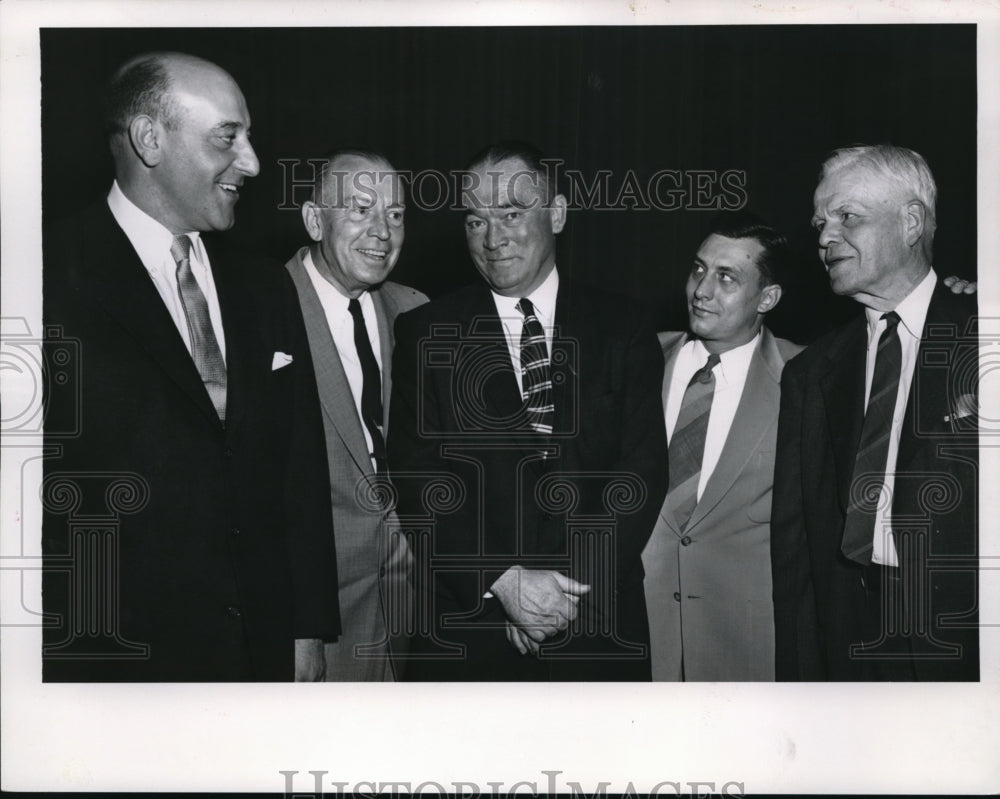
pixel 229 127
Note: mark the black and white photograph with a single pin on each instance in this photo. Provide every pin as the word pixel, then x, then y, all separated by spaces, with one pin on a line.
pixel 576 396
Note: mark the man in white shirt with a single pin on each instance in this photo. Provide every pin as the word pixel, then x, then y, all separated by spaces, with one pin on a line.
pixel 527 448
pixel 356 222
pixel 707 564
pixel 874 527
pixel 198 544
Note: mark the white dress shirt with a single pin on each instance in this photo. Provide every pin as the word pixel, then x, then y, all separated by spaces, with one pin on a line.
pixel 730 378
pixel 543 299
pixel 341 324
pixel 912 314
pixel 152 241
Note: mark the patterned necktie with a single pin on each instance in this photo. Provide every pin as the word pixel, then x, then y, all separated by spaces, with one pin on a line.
pixel 687 444
pixel 371 387
pixel 536 378
pixel 873 449
pixel 204 346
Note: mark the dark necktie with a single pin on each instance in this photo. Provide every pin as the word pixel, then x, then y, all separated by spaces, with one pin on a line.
pixel 687 444
pixel 536 378
pixel 205 349
pixel 873 449
pixel 371 389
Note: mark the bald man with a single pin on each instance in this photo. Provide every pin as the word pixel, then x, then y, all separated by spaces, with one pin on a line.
pixel 187 530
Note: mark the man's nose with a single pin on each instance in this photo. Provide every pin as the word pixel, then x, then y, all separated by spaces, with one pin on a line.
pixel 494 236
pixel 703 286
pixel 379 227
pixel 246 161
pixel 829 234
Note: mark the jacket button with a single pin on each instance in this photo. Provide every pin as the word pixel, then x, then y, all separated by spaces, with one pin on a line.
pixel 235 531
pixel 686 541
pixel 677 596
pixel 381 571
pixel 228 453
pixel 234 612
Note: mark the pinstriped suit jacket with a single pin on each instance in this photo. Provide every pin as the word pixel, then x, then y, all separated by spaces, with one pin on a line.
pixel 372 562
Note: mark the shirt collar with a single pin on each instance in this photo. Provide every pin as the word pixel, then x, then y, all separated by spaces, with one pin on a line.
pixel 543 299
pixel 731 362
pixel 149 238
pixel 329 296
pixel 912 310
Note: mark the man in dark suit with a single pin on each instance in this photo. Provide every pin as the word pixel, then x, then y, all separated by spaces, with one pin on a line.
pixel 528 452
pixel 355 220
pixel 875 502
pixel 187 531
pixel 708 562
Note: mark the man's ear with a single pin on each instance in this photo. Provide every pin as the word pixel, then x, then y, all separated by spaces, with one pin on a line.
pixel 557 213
pixel 144 134
pixel 312 218
pixel 914 220
pixel 770 296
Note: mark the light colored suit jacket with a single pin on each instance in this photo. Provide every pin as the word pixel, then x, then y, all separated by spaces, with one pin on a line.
pixel 708 587
pixel 373 561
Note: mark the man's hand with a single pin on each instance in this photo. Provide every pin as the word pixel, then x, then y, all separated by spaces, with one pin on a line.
pixel 310 663
pixel 959 286
pixel 520 640
pixel 540 602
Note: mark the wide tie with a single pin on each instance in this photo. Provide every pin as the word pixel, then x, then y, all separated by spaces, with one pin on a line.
pixel 873 449
pixel 536 378
pixel 687 444
pixel 205 349
pixel 371 389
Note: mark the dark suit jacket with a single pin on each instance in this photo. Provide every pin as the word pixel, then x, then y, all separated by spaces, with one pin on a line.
pixel 373 560
pixel 206 548
pixel 818 595
pixel 478 496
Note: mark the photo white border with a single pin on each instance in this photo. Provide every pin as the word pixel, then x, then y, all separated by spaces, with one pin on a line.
pixel 926 738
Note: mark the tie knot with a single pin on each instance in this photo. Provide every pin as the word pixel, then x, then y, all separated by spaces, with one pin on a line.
pixel 180 248
pixel 354 307
pixel 891 320
pixel 525 307
pixel 704 374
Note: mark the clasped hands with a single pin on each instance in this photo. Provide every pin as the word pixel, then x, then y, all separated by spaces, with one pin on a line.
pixel 538 603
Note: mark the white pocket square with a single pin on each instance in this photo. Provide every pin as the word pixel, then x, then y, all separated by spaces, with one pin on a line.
pixel 280 359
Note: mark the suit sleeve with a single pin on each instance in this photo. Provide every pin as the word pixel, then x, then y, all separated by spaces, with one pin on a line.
pixel 796 633
pixel 308 512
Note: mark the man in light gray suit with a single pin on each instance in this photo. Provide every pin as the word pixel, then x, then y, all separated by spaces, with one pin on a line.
pixel 708 568
pixel 355 219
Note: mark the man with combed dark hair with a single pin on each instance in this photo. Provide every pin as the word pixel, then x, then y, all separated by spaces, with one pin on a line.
pixel 187 531
pixel 874 537
pixel 356 222
pixel 708 567
pixel 526 445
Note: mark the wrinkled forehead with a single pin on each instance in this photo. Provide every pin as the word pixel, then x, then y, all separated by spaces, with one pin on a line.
pixel 362 178
pixel 738 255
pixel 855 182
pixel 504 184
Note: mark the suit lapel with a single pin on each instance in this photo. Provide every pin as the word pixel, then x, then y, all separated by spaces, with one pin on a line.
pixel 670 352
pixel 843 389
pixel 125 291
pixel 927 404
pixel 497 389
pixel 385 312
pixel 757 410
pixel 331 380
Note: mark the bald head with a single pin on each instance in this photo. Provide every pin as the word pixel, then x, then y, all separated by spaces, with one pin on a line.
pixel 179 131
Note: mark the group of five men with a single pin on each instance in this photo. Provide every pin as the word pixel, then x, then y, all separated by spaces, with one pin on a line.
pixel 520 481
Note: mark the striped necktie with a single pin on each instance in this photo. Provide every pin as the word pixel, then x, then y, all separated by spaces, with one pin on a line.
pixel 536 378
pixel 873 448
pixel 204 347
pixel 687 444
